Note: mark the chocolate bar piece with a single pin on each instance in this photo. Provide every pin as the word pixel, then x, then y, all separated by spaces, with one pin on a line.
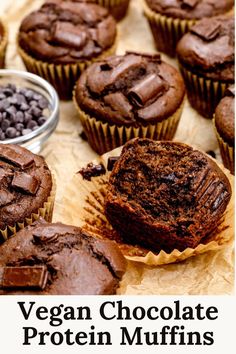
pixel 25 182
pixel 67 34
pixel 207 31
pixel 24 277
pixel 11 155
pixel 49 234
pixel 149 88
pixel 111 162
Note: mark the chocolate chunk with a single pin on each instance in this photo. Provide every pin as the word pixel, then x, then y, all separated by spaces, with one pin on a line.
pixel 45 235
pixel 24 277
pixel 230 91
pixel 111 162
pixel 190 3
pixel 149 88
pixel 6 197
pixel 211 153
pixel 119 103
pixel 92 171
pixel 207 31
pixel 129 63
pixel 25 182
pixel 66 33
pixel 10 154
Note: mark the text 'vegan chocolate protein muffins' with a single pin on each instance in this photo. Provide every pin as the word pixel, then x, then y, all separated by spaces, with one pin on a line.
pixel 165 195
pixel 3 44
pixel 60 39
pixel 57 259
pixel 134 95
pixel 117 8
pixel 170 20
pixel 206 59
pixel 224 121
pixel 26 189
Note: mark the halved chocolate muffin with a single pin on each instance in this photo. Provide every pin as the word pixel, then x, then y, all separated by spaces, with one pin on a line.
pixel 165 195
pixel 57 259
pixel 25 188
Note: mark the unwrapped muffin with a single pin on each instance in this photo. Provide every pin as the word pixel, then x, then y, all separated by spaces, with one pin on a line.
pixel 60 39
pixel 26 189
pixel 224 121
pixel 206 59
pixel 165 195
pixel 57 259
pixel 3 44
pixel 170 20
pixel 134 95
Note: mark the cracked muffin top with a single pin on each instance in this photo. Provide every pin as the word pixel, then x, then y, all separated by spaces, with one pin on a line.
pixel 57 259
pixel 130 89
pixel 208 49
pixel 66 31
pixel 25 184
pixel 191 9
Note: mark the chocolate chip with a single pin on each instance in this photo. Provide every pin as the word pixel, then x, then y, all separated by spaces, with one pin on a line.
pixel 211 153
pixel 92 170
pixel 21 111
pixel 111 162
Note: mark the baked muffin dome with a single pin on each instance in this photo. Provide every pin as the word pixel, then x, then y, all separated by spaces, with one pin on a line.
pixel 132 89
pixel 63 32
pixel 57 259
pixel 165 195
pixel 25 184
pixel 191 9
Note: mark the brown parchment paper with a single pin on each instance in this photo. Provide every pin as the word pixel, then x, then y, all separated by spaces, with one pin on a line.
pixel 66 152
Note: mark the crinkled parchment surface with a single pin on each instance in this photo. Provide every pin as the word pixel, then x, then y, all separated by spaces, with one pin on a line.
pixel 66 152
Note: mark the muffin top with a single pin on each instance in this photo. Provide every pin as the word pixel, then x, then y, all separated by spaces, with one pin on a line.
pixel 208 49
pixel 130 90
pixel 191 9
pixel 57 259
pixel 225 116
pixel 177 192
pixel 66 31
pixel 25 184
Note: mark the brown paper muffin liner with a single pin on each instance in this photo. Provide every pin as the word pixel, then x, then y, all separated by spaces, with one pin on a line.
pixel 166 31
pixel 61 76
pixel 83 205
pixel 203 94
pixel 3 46
pixel 45 212
pixel 104 137
pixel 117 8
pixel 226 151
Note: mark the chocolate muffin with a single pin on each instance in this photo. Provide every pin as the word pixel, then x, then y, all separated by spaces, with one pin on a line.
pixel 57 259
pixel 117 8
pixel 122 97
pixel 60 39
pixel 170 20
pixel 225 127
pixel 206 58
pixel 3 44
pixel 25 188
pixel 165 195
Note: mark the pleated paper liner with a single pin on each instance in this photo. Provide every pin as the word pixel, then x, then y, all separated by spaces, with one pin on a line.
pixel 203 94
pixel 61 76
pixel 45 212
pixel 166 31
pixel 226 151
pixel 117 8
pixel 104 137
pixel 83 205
pixel 3 45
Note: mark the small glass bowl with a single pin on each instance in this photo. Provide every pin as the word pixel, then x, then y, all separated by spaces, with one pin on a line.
pixel 34 140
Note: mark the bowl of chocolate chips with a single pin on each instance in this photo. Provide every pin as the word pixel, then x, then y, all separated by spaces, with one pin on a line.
pixel 29 109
